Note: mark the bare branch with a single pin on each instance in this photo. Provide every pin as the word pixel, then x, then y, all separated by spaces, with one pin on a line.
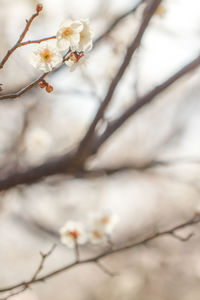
pixel 141 102
pixel 25 285
pixel 86 142
pixel 18 43
pixel 193 221
pixel 23 90
pixel 117 21
pixel 37 41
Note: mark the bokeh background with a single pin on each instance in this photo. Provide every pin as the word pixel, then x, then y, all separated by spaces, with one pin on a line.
pixel 37 126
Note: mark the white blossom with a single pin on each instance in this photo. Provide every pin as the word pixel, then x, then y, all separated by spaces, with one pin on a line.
pixel 46 56
pixel 74 60
pixel 86 36
pixel 72 233
pixel 101 225
pixel 68 35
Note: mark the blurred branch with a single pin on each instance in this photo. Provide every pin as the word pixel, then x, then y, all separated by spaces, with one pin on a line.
pixel 34 279
pixel 142 101
pixel 86 143
pixel 117 21
pixel 70 162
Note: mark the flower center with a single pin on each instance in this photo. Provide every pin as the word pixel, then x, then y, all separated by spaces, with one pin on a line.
pixel 82 35
pixel 96 234
pixel 46 55
pixel 105 220
pixel 67 32
pixel 73 234
pixel 75 57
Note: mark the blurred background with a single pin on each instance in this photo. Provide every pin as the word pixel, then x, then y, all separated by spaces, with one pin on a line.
pixel 38 126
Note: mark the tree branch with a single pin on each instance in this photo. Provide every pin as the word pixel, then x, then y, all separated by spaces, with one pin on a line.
pixel 193 221
pixel 85 144
pixel 23 90
pixel 117 21
pixel 142 101
pixel 19 41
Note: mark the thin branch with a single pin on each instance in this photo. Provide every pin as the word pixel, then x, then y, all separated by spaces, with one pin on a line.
pixel 37 41
pixel 23 90
pixel 69 163
pixel 25 285
pixel 104 269
pixel 193 221
pixel 117 21
pixel 86 142
pixel 18 43
pixel 142 101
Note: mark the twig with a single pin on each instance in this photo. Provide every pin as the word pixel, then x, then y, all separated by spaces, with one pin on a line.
pixel 19 42
pixel 25 285
pixel 37 41
pixel 104 269
pixel 171 231
pixel 25 89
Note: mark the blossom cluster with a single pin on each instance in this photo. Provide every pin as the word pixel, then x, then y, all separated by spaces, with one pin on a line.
pixel 73 41
pixel 98 230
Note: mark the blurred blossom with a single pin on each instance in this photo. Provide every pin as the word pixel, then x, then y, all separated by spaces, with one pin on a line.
pixel 101 225
pixel 37 144
pixel 72 233
pixel 46 56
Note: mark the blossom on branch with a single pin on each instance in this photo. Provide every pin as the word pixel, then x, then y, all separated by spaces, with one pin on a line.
pixel 46 56
pixel 86 36
pixel 68 36
pixel 74 60
pixel 73 233
pixel 101 226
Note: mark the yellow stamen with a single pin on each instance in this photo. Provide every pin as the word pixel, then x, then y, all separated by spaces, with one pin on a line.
pixel 105 220
pixel 73 58
pixel 96 234
pixel 46 55
pixel 73 234
pixel 67 32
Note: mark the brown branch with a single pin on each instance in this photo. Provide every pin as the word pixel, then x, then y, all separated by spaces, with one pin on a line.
pixel 69 163
pixel 37 41
pixel 156 235
pixel 25 285
pixel 23 90
pixel 117 21
pixel 142 101
pixel 86 142
pixel 18 43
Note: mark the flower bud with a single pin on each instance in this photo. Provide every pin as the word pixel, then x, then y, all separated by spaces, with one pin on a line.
pixel 42 84
pixel 49 88
pixel 39 7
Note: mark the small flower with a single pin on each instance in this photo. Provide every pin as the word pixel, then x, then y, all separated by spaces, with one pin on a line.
pixel 97 236
pixel 86 36
pixel 72 233
pixel 74 60
pixel 68 36
pixel 46 56
pixel 101 226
